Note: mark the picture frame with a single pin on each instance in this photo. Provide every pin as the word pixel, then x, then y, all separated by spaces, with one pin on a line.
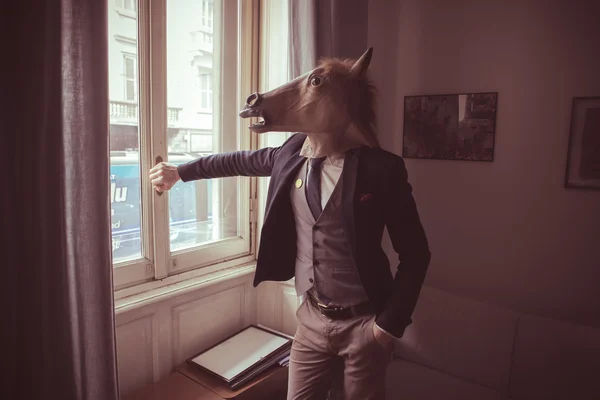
pixel 583 155
pixel 459 126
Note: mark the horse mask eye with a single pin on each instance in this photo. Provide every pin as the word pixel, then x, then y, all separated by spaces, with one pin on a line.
pixel 315 81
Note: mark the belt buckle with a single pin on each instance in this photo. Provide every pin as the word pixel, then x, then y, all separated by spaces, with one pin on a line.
pixel 329 311
pixel 323 307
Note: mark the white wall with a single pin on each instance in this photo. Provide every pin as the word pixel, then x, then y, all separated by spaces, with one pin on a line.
pixel 506 232
pixel 157 337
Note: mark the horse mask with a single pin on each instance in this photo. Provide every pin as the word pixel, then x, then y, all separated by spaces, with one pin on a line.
pixel 332 104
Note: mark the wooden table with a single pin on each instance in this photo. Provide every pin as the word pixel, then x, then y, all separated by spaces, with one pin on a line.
pixel 190 383
pixel 174 386
pixel 271 384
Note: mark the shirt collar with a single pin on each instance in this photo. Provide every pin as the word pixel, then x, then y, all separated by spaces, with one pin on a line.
pixel 335 159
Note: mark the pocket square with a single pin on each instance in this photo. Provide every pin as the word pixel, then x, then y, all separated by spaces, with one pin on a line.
pixel 365 197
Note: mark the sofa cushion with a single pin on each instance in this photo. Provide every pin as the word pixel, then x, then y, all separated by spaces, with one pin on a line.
pixel 410 381
pixel 462 337
pixel 555 360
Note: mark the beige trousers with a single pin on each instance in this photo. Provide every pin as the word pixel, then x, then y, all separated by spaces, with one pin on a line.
pixel 345 349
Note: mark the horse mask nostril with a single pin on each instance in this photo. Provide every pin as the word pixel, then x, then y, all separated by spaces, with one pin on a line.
pixel 253 100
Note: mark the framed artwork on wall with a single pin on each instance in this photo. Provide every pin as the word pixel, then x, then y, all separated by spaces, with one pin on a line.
pixel 583 158
pixel 450 126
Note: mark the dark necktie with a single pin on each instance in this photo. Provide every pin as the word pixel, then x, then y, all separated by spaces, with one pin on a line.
pixel 313 187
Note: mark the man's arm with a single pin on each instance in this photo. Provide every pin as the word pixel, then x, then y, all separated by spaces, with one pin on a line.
pixel 239 163
pixel 410 242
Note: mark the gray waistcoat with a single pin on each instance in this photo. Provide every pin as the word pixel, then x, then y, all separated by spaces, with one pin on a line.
pixel 324 263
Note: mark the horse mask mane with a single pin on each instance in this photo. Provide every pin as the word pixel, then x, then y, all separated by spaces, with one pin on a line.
pixel 333 104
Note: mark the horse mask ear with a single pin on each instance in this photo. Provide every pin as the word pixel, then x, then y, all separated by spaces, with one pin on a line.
pixel 362 64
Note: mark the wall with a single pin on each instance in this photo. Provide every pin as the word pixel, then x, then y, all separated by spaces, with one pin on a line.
pixel 506 232
pixel 155 337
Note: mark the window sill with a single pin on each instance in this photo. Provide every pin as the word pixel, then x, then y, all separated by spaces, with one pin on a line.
pixel 143 295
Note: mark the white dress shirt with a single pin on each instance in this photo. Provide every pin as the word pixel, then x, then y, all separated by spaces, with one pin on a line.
pixel 331 170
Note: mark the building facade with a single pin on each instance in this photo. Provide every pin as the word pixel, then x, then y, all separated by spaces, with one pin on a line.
pixel 190 77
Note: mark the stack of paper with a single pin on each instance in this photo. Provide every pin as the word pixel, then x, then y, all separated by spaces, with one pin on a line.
pixel 284 362
pixel 241 357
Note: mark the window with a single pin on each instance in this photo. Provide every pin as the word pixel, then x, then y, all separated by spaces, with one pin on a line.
pixel 274 72
pixel 175 88
pixel 130 76
pixel 127 5
pixel 205 91
pixel 207 15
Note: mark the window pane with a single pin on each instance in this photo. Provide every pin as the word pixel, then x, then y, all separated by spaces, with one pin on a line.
pixel 131 5
pixel 129 68
pixel 202 211
pixel 124 135
pixel 130 91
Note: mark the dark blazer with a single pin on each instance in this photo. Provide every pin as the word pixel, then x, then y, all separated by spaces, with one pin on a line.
pixel 375 193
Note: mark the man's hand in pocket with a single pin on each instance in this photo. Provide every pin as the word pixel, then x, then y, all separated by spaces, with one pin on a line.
pixel 382 337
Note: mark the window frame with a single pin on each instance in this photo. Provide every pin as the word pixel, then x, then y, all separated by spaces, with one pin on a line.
pixel 157 261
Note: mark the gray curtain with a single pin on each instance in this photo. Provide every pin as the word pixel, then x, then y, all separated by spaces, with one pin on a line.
pixel 58 318
pixel 326 28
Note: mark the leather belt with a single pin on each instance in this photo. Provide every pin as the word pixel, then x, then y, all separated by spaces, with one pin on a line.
pixel 334 312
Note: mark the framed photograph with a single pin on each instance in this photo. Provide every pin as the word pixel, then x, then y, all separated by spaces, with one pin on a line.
pixel 450 126
pixel 583 158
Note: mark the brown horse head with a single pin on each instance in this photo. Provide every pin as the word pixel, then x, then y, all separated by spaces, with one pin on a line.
pixel 335 99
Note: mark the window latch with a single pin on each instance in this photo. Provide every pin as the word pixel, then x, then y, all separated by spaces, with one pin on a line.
pixel 158 161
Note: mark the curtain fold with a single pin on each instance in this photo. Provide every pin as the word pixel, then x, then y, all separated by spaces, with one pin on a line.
pixel 303 36
pixel 326 28
pixel 56 225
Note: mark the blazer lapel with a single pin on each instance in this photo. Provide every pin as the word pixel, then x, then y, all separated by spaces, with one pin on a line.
pixel 298 197
pixel 285 179
pixel 349 175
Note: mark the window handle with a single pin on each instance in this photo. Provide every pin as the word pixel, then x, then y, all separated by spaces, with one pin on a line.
pixel 158 161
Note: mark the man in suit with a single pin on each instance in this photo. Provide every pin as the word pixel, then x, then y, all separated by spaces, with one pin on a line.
pixel 329 199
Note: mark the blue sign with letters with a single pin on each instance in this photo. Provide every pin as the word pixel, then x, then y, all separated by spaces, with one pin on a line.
pixel 126 212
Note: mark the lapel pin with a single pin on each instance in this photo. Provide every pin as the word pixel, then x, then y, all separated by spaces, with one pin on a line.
pixel 298 183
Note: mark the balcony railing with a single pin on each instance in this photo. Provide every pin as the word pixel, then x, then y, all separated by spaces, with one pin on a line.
pixel 123 112
pixel 173 116
pixel 126 113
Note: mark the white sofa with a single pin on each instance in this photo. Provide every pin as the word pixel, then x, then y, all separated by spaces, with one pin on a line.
pixel 458 348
